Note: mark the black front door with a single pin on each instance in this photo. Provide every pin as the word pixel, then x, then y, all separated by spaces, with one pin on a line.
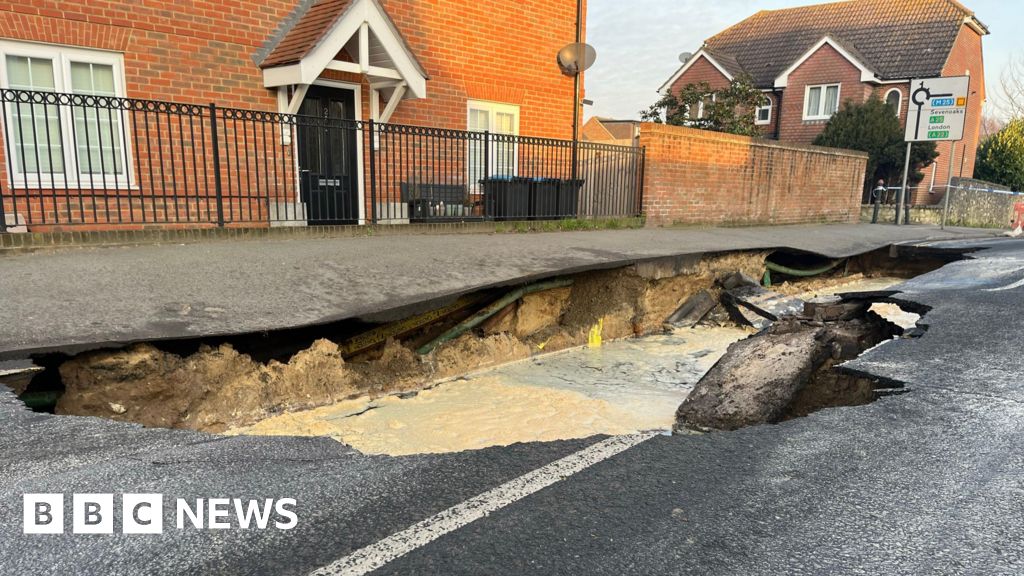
pixel 328 163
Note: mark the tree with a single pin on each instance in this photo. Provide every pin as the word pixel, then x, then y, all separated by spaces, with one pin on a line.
pixel 1001 156
pixel 873 127
pixel 729 110
pixel 990 125
pixel 1009 97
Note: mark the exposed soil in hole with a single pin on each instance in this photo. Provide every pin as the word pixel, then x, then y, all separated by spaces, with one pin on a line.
pixel 219 388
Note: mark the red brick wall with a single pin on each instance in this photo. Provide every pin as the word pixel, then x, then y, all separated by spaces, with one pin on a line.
pixel 193 52
pixel 202 51
pixel 826 66
pixel 881 91
pixel 699 177
pixel 198 52
pixel 490 50
pixel 701 71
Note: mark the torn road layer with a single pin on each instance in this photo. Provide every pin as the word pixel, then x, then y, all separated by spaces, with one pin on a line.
pixel 784 372
pixel 231 288
pixel 218 387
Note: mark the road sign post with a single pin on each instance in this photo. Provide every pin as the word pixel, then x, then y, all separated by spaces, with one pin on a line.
pixel 945 197
pixel 938 109
pixel 903 189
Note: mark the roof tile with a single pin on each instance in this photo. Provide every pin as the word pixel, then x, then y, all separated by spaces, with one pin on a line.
pixel 897 39
pixel 306 33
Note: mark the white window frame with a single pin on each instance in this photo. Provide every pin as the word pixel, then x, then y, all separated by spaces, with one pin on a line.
pixel 899 103
pixel 700 107
pixel 821 102
pixel 492 109
pixel 62 57
pixel 757 112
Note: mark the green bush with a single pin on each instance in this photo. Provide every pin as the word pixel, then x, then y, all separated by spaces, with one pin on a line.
pixel 730 110
pixel 1001 156
pixel 873 127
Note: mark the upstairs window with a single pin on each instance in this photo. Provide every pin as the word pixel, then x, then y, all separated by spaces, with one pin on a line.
pixel 763 114
pixel 50 144
pixel 894 98
pixel 821 102
pixel 700 113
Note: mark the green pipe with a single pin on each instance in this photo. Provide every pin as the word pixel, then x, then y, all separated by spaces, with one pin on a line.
pixel 478 318
pixel 773 267
pixel 40 400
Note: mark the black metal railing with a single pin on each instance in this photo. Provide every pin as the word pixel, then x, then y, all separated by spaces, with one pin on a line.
pixel 83 159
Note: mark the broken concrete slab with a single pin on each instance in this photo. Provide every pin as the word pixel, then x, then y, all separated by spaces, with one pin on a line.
pixel 784 372
pixel 736 280
pixel 667 267
pixel 753 383
pixel 718 316
pixel 746 317
pixel 693 310
pixel 771 305
pixel 833 308
pixel 16 374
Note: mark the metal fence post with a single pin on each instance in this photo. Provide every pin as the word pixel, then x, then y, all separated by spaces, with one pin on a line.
pixel 487 154
pixel 640 188
pixel 373 172
pixel 3 214
pixel 214 144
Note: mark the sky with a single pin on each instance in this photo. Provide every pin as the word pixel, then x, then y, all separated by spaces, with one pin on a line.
pixel 638 43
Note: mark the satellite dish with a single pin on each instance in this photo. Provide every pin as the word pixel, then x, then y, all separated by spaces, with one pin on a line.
pixel 576 57
pixel 684 57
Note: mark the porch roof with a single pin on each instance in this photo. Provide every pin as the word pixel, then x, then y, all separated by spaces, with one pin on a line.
pixel 360 28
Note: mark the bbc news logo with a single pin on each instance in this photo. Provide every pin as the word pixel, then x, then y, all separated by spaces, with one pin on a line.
pixel 144 514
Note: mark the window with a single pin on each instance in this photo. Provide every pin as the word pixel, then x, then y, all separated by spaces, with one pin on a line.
pixel 763 114
pixel 821 102
pixel 57 145
pixel 499 158
pixel 894 98
pixel 701 108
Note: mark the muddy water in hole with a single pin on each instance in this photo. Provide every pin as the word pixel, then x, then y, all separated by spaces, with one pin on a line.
pixel 621 387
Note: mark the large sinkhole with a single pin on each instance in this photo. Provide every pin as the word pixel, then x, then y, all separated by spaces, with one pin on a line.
pixel 599 352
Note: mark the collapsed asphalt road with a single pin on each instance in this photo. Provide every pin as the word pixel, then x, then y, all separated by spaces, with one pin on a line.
pixel 926 482
pixel 77 299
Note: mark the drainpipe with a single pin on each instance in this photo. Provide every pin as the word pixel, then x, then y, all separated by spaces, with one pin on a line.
pixel 576 96
pixel 778 112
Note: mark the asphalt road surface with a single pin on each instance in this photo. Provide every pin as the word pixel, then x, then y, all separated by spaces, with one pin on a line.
pixel 925 482
pixel 85 298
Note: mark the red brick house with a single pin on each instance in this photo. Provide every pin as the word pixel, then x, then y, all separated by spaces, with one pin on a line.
pixel 472 66
pixel 811 59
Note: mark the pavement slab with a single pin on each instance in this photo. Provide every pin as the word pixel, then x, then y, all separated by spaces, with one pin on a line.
pixel 82 298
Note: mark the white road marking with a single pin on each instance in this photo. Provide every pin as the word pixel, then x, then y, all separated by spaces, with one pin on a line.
pixel 376 555
pixel 1016 284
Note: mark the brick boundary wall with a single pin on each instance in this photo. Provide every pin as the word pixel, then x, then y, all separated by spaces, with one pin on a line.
pixel 700 177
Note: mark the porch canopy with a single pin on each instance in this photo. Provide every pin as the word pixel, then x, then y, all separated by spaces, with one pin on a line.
pixel 360 29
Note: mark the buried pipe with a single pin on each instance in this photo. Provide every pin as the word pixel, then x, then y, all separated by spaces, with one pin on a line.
pixel 44 401
pixel 478 318
pixel 773 267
